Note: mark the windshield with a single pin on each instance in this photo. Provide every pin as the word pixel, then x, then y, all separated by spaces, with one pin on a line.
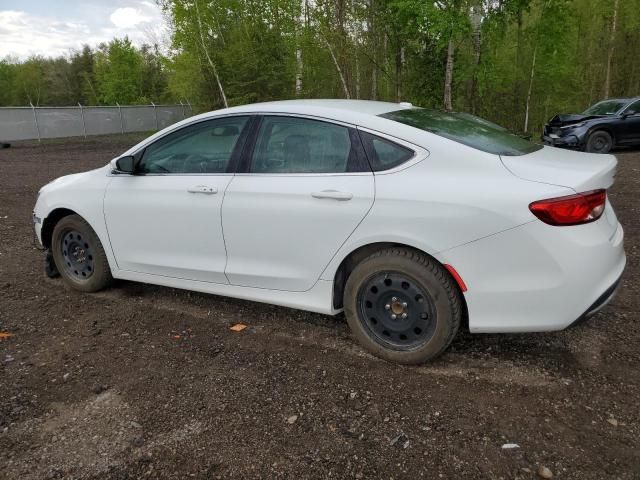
pixel 607 107
pixel 466 129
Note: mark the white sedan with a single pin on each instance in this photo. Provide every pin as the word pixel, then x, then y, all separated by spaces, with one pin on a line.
pixel 412 221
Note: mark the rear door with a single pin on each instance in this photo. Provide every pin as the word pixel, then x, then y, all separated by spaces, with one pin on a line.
pixel 306 186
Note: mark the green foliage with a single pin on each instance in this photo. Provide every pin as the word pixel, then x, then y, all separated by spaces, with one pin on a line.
pixel 242 51
pixel 114 72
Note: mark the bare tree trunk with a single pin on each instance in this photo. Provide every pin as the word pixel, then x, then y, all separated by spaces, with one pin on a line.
pixel 356 53
pixel 607 81
pixel 476 38
pixel 448 76
pixel 345 87
pixel 373 41
pixel 357 77
pixel 399 54
pixel 374 83
pixel 533 71
pixel 298 71
pixel 301 20
pixel 211 64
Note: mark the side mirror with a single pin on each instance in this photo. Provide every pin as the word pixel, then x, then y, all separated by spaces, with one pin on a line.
pixel 124 164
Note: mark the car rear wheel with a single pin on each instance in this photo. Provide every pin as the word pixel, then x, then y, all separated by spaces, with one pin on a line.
pixel 79 256
pixel 599 142
pixel 402 306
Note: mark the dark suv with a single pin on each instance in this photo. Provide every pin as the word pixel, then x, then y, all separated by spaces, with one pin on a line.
pixel 601 127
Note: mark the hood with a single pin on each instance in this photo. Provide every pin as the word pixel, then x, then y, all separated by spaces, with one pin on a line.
pixel 75 177
pixel 569 118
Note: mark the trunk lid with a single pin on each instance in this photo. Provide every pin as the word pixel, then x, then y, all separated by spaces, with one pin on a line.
pixel 576 170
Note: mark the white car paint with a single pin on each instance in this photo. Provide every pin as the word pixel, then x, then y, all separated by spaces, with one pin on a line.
pixel 268 238
pixel 140 208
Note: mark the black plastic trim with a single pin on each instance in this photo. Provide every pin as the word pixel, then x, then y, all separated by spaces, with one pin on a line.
pixel 602 299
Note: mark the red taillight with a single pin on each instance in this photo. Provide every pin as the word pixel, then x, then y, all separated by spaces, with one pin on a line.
pixel 571 210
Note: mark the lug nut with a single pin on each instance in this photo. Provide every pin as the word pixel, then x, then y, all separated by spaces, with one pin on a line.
pixel 394 299
pixel 387 306
pixel 393 316
pixel 404 315
pixel 404 304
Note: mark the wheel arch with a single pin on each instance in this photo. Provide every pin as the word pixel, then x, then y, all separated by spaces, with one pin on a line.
pixel 601 128
pixel 50 221
pixel 354 257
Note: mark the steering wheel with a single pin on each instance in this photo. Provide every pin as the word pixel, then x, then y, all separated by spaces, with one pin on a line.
pixel 195 163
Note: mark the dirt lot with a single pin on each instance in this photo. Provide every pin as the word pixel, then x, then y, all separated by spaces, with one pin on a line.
pixel 144 381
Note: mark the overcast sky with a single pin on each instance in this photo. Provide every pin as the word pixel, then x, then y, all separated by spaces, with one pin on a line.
pixel 54 27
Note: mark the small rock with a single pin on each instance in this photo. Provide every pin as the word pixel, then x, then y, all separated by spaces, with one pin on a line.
pixel 292 419
pixel 526 470
pixel 135 424
pixel 65 377
pixel 544 472
pixel 507 446
pixel 99 388
pixel 137 442
pixel 401 441
pixel 613 421
pixel 359 475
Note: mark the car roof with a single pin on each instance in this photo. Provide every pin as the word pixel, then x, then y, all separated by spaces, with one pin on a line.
pixel 364 113
pixel 349 111
pixel 627 99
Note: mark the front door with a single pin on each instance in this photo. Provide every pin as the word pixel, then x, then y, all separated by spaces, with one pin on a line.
pixel 629 130
pixel 306 191
pixel 165 219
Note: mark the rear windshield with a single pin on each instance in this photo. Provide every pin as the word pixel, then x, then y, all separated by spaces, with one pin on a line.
pixel 466 129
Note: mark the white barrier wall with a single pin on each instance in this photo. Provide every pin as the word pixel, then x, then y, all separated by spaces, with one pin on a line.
pixel 24 123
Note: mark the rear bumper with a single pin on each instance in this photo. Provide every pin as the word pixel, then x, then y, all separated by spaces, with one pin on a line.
pixel 599 304
pixel 538 278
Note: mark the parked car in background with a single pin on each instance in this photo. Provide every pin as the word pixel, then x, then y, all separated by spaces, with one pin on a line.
pixel 409 220
pixel 607 124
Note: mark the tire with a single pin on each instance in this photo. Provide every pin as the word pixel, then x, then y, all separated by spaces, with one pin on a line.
pixel 414 288
pixel 79 255
pixel 599 142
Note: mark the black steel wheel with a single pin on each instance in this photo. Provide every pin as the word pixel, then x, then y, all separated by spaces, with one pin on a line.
pixel 397 310
pixel 402 305
pixel 78 255
pixel 599 142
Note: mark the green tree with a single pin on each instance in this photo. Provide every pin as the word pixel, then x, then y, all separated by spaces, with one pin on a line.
pixel 119 71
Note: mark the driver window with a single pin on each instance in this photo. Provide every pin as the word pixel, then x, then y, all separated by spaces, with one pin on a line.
pixel 205 147
pixel 300 145
pixel 633 109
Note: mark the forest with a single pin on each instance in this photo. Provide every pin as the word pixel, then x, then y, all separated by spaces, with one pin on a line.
pixel 515 62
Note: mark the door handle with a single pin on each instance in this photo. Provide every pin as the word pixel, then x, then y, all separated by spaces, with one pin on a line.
pixel 333 194
pixel 206 189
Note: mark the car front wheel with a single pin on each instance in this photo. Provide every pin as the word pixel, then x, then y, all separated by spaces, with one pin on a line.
pixel 402 306
pixel 79 256
pixel 599 142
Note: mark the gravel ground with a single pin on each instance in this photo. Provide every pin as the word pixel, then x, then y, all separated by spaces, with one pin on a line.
pixel 143 381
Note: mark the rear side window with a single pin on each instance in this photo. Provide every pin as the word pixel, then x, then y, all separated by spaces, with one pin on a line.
pixel 467 129
pixel 384 154
pixel 300 145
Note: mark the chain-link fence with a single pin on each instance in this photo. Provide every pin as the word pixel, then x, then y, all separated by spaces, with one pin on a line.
pixel 25 123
